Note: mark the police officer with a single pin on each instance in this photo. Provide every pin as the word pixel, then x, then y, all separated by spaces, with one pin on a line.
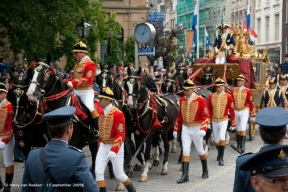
pixel 283 87
pixel 112 133
pixel 272 134
pixel 272 97
pixel 220 104
pixel 244 107
pixel 6 134
pixel 224 44
pixel 268 169
pixel 66 164
pixel 284 65
pixel 83 78
pixel 193 118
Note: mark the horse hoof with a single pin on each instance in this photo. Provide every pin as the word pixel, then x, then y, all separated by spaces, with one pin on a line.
pixel 143 179
pixel 181 168
pixel 150 166
pixel 155 163
pixel 173 150
pixel 120 187
pixel 137 167
pixel 164 171
pixel 130 174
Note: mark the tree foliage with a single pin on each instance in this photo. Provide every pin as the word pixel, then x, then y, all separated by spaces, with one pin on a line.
pixel 129 49
pixel 41 26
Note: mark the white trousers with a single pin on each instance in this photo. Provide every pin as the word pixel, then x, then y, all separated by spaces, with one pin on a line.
pixel 87 97
pixel 220 57
pixel 219 130
pixel 102 160
pixel 241 118
pixel 189 134
pixel 8 153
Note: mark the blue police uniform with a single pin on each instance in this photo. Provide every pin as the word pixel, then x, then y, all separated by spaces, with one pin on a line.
pixel 66 164
pixel 284 66
pixel 272 97
pixel 242 181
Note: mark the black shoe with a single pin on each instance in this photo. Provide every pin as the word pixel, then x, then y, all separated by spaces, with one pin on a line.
pixel 19 161
pixel 185 173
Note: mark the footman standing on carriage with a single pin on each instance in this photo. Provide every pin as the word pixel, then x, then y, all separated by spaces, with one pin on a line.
pixel 243 107
pixel 6 134
pixel 224 44
pixel 58 163
pixel 83 78
pixel 272 97
pixel 220 104
pixel 193 118
pixel 112 133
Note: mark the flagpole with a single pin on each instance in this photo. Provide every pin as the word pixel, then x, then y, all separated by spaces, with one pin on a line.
pixel 204 40
pixel 197 4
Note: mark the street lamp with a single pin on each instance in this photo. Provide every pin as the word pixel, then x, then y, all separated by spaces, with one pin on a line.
pixel 83 28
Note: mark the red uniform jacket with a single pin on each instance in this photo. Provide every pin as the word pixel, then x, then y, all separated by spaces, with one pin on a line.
pixel 83 75
pixel 243 99
pixel 6 117
pixel 193 113
pixel 112 128
pixel 219 105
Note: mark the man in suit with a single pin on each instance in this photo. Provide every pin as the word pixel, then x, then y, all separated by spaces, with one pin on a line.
pixel 66 164
pixel 224 44
pixel 268 169
pixel 272 133
pixel 272 97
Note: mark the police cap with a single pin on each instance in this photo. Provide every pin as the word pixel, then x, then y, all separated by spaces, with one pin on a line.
pixel 60 115
pixel 272 119
pixel 271 163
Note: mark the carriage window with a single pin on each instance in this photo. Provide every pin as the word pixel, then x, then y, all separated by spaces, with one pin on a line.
pixel 257 72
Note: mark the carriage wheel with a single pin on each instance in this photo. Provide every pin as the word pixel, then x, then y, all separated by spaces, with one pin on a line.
pixel 252 130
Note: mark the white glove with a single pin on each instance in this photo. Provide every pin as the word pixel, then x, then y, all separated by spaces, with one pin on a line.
pixel 216 50
pixel 209 126
pixel 227 47
pixel 201 133
pixel 175 134
pixel 232 128
pixel 70 84
pixel 2 146
pixel 111 155
pixel 252 118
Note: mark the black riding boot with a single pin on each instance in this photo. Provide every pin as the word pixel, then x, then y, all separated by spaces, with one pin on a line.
pixel 130 188
pixel 204 168
pixel 102 189
pixel 8 181
pixel 243 139
pixel 185 173
pixel 238 137
pixel 1 184
pixel 95 126
pixel 217 147
pixel 221 155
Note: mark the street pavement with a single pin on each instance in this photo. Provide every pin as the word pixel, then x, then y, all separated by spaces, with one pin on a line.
pixel 221 178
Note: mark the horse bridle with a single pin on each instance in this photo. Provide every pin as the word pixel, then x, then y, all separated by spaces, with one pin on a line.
pixel 47 74
pixel 131 79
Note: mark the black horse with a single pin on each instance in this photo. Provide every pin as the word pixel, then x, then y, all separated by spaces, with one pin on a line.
pixel 28 125
pixel 142 109
pixel 210 75
pixel 49 87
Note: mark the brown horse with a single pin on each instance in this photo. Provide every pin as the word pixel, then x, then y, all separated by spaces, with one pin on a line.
pixel 48 87
pixel 142 110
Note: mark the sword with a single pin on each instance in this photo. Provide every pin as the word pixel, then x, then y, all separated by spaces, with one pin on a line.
pixel 235 148
pixel 46 139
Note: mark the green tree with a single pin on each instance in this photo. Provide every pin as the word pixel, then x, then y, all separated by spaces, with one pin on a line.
pixel 129 49
pixel 42 26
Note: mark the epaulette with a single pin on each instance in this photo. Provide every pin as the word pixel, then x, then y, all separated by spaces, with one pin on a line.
pixel 249 153
pixel 75 148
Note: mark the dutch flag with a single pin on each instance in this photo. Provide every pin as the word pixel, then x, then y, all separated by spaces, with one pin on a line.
pixel 246 25
pixel 195 25
pixel 208 43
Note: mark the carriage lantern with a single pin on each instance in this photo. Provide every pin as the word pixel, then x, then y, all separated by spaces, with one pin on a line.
pixel 83 28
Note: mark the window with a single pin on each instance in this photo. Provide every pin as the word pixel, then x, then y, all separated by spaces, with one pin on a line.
pixel 259 30
pixel 277 27
pixel 267 28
